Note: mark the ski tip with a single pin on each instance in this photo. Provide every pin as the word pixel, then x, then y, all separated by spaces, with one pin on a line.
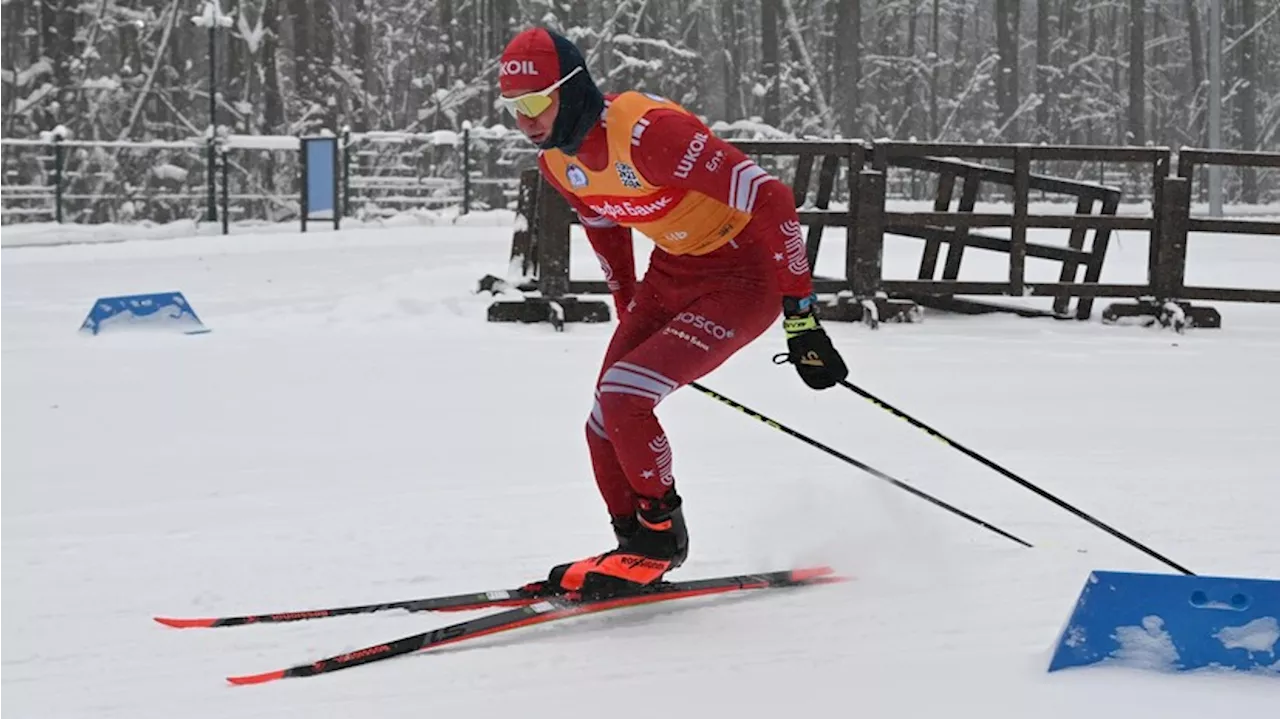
pixel 185 623
pixel 830 579
pixel 257 678
pixel 810 573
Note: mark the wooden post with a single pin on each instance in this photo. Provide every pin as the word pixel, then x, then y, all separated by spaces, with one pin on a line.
pixel 554 220
pixel 864 266
pixel 1159 172
pixel 1097 254
pixel 968 199
pixel 523 239
pixel 826 186
pixel 933 245
pixel 1018 233
pixel 1171 255
pixel 1084 206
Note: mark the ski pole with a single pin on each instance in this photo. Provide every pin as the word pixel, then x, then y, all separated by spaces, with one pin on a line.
pixel 850 460
pixel 1042 493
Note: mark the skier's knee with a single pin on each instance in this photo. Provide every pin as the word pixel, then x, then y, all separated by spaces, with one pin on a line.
pixel 595 421
pixel 617 407
pixel 628 390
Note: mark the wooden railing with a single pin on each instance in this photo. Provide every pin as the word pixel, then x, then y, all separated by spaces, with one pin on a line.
pixel 543 247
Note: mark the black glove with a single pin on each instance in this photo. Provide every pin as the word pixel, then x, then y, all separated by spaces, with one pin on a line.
pixel 809 348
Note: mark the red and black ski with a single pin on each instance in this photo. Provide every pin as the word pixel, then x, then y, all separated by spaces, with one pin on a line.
pixel 541 611
pixel 452 603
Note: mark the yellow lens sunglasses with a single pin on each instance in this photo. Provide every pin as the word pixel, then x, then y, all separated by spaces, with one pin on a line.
pixel 532 104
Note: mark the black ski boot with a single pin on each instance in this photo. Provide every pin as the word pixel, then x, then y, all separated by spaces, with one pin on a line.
pixel 662 533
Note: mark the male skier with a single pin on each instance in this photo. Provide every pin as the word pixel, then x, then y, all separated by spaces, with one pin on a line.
pixel 730 256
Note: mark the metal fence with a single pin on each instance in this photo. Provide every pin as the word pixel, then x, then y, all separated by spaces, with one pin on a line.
pixel 100 181
pixel 384 173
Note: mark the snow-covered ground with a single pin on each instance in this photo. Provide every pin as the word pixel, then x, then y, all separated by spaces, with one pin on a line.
pixel 352 431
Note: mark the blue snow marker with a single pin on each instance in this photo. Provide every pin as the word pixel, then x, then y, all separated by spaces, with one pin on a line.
pixel 1173 623
pixel 162 311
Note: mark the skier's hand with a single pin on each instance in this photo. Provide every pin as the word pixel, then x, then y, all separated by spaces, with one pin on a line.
pixel 809 348
pixel 624 301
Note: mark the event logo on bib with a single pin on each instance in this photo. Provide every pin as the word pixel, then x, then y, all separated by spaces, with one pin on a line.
pixel 628 176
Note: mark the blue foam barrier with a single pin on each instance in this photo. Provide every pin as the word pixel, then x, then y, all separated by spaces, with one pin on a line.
pixel 1173 623
pixel 163 310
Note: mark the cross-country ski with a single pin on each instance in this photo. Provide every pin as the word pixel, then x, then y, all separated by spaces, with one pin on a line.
pixel 451 603
pixel 549 609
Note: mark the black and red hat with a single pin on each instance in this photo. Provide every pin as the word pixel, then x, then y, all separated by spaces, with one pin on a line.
pixel 530 63
pixel 536 59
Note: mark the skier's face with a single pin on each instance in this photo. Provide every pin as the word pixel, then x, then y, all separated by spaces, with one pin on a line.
pixel 538 129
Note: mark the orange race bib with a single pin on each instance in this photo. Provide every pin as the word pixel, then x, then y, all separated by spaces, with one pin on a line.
pixel 680 221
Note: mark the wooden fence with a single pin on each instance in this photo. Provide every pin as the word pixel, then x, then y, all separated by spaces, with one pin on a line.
pixel 863 293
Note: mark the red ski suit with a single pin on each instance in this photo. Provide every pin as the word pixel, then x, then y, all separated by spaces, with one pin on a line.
pixel 729 247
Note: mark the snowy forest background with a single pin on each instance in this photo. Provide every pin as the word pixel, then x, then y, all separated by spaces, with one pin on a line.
pixel 1105 72
pixel 1072 71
